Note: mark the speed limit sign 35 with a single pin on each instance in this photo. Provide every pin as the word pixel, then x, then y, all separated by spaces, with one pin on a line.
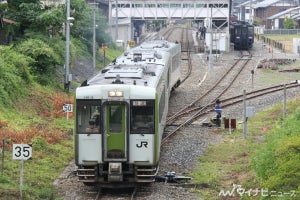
pixel 22 151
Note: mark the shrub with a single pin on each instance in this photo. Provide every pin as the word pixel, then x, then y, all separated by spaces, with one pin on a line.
pixel 277 161
pixel 45 58
pixel 14 75
pixel 287 171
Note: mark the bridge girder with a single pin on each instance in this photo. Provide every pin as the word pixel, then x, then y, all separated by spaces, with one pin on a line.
pixel 168 10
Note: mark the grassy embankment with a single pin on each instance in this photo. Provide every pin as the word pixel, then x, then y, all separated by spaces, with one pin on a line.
pixel 36 118
pixel 268 159
pixel 266 164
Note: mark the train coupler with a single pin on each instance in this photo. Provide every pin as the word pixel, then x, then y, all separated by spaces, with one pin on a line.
pixel 115 173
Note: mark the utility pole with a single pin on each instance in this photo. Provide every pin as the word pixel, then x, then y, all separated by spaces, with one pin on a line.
pixel 67 82
pixel 244 115
pixel 250 13
pixel 94 33
pixel 94 38
pixel 117 23
pixel 211 41
pixel 284 101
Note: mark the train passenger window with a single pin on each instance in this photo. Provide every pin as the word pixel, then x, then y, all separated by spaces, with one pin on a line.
pixel 142 117
pixel 87 112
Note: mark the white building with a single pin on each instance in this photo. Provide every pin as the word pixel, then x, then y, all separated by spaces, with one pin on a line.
pixel 245 11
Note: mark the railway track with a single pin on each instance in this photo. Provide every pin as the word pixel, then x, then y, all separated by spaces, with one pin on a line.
pixel 167 35
pixel 124 193
pixel 257 93
pixel 186 53
pixel 185 45
pixel 190 112
pixel 186 49
pixel 142 191
pixel 186 148
pixel 203 111
pixel 210 95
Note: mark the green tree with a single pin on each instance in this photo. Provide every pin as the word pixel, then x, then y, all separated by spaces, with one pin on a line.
pixel 9 30
pixel 83 23
pixel 45 59
pixel 3 8
pixel 41 33
pixel 25 14
pixel 14 74
pixel 276 162
pixel 256 22
pixel 15 4
pixel 51 20
pixel 289 23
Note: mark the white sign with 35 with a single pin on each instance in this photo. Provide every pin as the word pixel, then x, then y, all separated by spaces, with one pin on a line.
pixel 22 151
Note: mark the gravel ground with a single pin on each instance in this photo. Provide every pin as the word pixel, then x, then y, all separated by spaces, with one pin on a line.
pixel 182 153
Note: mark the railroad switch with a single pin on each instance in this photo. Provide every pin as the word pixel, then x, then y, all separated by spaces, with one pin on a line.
pixel 171 177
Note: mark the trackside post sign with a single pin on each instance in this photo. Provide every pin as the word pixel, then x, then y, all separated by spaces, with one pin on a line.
pixel 68 107
pixel 22 151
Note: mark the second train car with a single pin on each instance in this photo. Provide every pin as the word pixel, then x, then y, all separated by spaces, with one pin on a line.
pixel 121 113
pixel 241 35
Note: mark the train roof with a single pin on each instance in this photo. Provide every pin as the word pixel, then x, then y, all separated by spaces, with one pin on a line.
pixel 142 65
pixel 240 23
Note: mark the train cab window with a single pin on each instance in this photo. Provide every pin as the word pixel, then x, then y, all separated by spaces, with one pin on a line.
pixel 115 118
pixel 250 30
pixel 244 30
pixel 142 117
pixel 87 113
pixel 137 57
pixel 237 31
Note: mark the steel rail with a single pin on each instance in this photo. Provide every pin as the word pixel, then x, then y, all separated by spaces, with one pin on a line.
pixel 207 108
pixel 185 109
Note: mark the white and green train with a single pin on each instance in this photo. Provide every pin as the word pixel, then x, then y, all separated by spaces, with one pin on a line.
pixel 121 113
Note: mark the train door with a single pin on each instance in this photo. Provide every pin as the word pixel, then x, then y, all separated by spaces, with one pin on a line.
pixel 115 134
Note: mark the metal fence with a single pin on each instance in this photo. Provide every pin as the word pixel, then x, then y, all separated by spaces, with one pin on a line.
pixel 271 42
pixel 282 31
pixel 260 34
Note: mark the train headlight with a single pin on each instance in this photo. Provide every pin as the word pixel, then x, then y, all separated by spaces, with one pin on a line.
pixel 115 93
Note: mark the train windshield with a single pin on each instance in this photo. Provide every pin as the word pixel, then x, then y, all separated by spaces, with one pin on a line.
pixel 250 30
pixel 88 116
pixel 244 30
pixel 142 117
pixel 238 30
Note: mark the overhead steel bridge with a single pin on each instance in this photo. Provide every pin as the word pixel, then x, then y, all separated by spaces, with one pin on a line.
pixel 217 10
pixel 155 9
pixel 126 17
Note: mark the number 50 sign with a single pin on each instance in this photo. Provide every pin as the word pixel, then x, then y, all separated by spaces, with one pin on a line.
pixel 68 108
pixel 22 151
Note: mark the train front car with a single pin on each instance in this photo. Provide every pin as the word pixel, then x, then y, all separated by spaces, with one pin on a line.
pixel 242 35
pixel 120 117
